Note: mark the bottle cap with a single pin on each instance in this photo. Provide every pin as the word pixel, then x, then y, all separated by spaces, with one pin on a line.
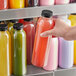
pixel 14 21
pixel 18 26
pixel 28 19
pixel 47 13
pixel 3 27
pixel 73 14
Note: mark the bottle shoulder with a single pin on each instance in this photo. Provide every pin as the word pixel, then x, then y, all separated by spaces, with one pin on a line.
pixel 19 33
pixel 43 21
pixel 5 34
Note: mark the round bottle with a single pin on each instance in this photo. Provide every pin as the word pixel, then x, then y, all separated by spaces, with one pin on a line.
pixel 5 51
pixel 19 52
pixel 51 58
pixel 40 44
pixel 29 28
pixel 31 3
pixel 14 4
pixel 65 48
pixel 62 1
pixel 72 1
pixel 46 2
pixel 3 4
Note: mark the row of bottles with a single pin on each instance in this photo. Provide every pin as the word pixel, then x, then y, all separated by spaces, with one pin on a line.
pixel 19 49
pixel 14 4
pixel 45 52
pixel 17 38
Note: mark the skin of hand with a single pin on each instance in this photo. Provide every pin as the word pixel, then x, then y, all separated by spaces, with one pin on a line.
pixel 61 29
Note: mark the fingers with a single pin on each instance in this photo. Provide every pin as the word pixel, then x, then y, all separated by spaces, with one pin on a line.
pixel 47 33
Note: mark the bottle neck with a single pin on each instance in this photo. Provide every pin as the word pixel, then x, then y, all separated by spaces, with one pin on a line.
pixel 19 29
pixel 46 18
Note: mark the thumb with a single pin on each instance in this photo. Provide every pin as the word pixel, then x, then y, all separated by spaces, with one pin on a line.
pixel 47 33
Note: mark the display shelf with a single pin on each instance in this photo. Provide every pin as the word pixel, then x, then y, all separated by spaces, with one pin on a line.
pixel 36 11
pixel 65 72
pixel 35 71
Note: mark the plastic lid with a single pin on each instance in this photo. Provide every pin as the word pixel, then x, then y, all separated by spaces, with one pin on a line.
pixel 47 13
pixel 18 26
pixel 28 19
pixel 73 14
pixel 3 27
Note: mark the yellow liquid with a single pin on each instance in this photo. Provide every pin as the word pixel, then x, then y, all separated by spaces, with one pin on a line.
pixel 17 3
pixel 5 53
pixel 11 30
pixel 73 22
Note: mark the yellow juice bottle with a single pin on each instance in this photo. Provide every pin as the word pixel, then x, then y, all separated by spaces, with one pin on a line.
pixel 5 51
pixel 73 23
pixel 14 4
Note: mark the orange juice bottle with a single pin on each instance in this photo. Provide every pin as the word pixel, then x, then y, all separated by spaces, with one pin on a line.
pixel 73 23
pixel 40 44
pixel 16 3
pixel 5 51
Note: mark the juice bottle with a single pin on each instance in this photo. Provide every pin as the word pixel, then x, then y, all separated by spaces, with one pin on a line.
pixel 73 23
pixel 72 1
pixel 21 21
pixel 16 4
pixel 31 3
pixel 40 44
pixel 11 30
pixel 62 1
pixel 65 49
pixel 5 51
pixel 29 28
pixel 19 53
pixel 51 58
pixel 46 2
pixel 3 4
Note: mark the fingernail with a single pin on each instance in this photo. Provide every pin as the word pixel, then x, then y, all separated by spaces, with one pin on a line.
pixel 41 34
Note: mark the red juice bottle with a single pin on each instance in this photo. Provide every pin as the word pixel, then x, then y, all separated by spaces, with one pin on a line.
pixel 40 44
pixel 29 28
pixel 3 4
pixel 21 21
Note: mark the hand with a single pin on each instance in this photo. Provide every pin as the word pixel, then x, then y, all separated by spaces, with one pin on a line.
pixel 60 29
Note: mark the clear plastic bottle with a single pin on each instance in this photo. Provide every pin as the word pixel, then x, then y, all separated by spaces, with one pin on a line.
pixel 29 28
pixel 40 44
pixel 72 1
pixel 5 51
pixel 46 2
pixel 66 48
pixel 62 1
pixel 51 58
pixel 19 53
pixel 3 4
pixel 14 4
pixel 31 3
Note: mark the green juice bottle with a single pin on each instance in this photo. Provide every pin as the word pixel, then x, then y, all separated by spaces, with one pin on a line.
pixel 19 53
